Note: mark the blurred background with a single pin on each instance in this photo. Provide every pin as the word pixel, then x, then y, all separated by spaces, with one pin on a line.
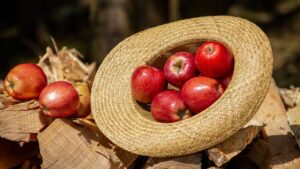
pixel 94 27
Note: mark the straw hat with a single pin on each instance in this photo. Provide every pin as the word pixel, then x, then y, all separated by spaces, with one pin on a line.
pixel 129 126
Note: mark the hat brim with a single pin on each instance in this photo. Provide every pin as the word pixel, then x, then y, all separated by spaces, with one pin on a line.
pixel 126 124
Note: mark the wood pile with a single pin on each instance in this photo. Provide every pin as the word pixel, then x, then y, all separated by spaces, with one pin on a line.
pixel 31 140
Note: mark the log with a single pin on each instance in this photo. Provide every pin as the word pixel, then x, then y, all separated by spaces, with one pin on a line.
pixel 192 161
pixel 277 132
pixel 225 151
pixel 65 144
pixel 12 154
pixel 260 154
pixel 294 122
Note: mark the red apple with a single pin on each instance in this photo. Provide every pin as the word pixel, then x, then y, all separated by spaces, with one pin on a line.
pixel 214 60
pixel 146 82
pixel 225 81
pixel 85 97
pixel 179 68
pixel 59 99
pixel 168 106
pixel 25 81
pixel 200 92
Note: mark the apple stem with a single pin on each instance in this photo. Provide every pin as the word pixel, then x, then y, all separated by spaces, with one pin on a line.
pixel 181 114
pixel 44 109
pixel 11 84
pixel 210 49
pixel 178 66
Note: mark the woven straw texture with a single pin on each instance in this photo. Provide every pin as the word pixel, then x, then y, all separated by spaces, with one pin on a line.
pixel 129 126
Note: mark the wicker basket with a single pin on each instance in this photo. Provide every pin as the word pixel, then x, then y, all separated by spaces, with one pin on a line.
pixel 129 126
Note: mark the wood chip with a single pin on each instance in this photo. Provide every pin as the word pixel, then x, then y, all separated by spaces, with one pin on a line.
pixel 11 154
pixel 192 161
pixel 294 122
pixel 277 132
pixel 65 144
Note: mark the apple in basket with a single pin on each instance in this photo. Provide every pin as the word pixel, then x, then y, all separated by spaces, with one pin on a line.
pixel 200 92
pixel 214 60
pixel 168 106
pixel 59 99
pixel 146 82
pixel 25 81
pixel 179 68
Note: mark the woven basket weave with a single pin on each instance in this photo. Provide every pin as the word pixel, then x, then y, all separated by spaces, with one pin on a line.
pixel 129 126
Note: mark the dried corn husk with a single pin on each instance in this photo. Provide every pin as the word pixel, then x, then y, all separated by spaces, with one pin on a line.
pixel 65 64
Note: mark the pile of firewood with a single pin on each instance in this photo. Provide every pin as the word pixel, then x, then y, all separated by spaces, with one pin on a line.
pixel 31 140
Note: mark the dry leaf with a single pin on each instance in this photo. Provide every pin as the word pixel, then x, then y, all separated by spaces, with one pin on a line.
pixel 107 148
pixel 18 121
pixel 19 137
pixel 67 145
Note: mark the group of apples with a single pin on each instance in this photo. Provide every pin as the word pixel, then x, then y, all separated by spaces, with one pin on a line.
pixel 57 99
pixel 200 79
